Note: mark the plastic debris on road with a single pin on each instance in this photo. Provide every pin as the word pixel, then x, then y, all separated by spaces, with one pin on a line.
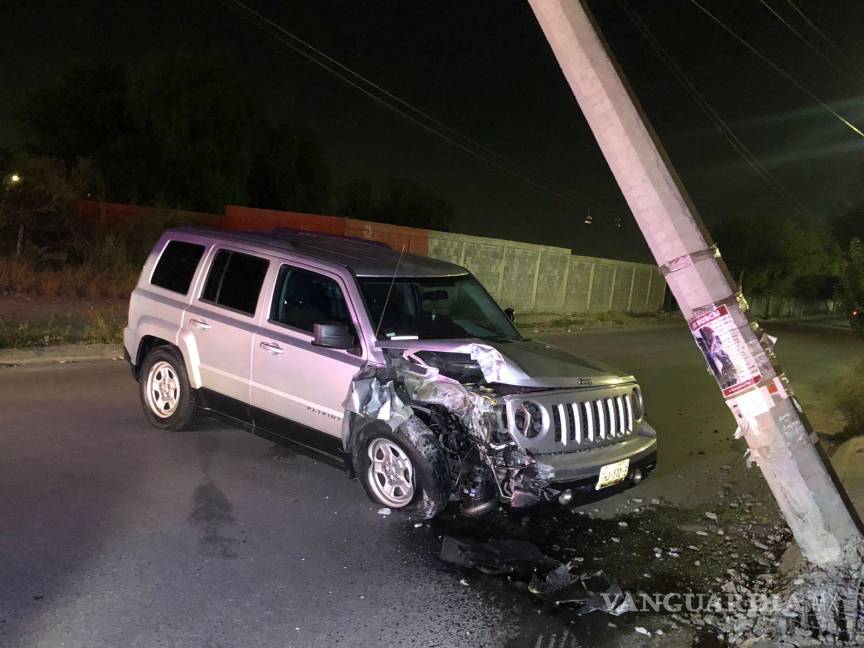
pixel 496 557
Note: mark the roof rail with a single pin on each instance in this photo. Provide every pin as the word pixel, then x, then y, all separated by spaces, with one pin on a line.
pixel 289 232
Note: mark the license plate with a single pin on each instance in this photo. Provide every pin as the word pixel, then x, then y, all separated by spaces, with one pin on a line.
pixel 613 473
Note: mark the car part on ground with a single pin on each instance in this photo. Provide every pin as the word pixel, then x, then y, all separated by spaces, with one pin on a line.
pixel 496 557
pixel 550 580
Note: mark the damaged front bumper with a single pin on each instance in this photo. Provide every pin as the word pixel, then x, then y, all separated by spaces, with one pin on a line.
pixel 581 491
pixel 578 466
pixel 573 478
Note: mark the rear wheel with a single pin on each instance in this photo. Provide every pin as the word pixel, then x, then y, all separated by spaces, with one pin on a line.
pixel 166 394
pixel 403 469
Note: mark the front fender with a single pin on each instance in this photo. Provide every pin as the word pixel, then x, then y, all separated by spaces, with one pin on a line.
pixel 148 326
pixel 189 348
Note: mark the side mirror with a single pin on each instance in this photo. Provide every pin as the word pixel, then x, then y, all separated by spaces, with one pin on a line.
pixel 333 336
pixel 510 313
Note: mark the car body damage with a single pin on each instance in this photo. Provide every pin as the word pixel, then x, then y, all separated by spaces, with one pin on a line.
pixel 470 395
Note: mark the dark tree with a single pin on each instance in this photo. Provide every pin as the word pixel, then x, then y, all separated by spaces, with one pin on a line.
pixel 850 225
pixel 402 202
pixel 290 171
pixel 174 131
pixel 35 202
pixel 194 117
pixel 356 199
pixel 84 115
pixel 780 255
pixel 406 202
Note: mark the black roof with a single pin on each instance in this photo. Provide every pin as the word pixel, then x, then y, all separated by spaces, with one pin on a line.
pixel 364 258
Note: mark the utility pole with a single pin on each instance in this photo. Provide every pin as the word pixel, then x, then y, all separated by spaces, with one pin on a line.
pixel 740 356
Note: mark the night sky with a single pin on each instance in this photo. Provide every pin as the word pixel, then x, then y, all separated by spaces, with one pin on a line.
pixel 484 68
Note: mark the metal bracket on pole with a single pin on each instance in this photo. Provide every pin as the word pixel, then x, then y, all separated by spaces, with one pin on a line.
pixel 687 260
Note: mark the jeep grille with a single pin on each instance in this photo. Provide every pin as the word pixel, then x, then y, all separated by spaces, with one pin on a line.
pixel 571 421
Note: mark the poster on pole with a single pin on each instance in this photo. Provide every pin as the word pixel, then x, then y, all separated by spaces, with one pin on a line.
pixel 725 351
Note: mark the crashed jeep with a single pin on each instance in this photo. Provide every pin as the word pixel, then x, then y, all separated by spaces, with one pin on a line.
pixel 446 401
pixel 487 419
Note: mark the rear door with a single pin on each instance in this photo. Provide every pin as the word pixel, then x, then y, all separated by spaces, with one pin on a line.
pixel 292 378
pixel 222 321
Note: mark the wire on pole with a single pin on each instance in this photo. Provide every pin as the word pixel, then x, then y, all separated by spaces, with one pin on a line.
pixel 403 108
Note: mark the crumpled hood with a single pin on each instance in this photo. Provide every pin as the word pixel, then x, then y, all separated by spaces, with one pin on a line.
pixel 523 363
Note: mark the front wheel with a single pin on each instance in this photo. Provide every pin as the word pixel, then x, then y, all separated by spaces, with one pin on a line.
pixel 166 394
pixel 404 469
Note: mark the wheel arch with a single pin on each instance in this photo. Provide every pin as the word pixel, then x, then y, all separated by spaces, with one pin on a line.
pixel 353 423
pixel 431 466
pixel 151 341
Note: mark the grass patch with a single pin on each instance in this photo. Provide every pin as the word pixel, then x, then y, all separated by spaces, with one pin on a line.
pixel 849 399
pixel 22 277
pixel 590 320
pixel 91 327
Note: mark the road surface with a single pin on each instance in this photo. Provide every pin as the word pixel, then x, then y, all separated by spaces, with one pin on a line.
pixel 115 534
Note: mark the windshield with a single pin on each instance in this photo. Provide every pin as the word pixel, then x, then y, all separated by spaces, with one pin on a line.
pixel 435 308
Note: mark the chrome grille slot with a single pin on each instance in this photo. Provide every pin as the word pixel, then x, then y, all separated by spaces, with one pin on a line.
pixel 556 423
pixel 588 417
pixel 623 426
pixel 601 419
pixel 573 420
pixel 613 418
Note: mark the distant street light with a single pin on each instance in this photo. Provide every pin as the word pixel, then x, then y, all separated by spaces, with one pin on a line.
pixel 10 182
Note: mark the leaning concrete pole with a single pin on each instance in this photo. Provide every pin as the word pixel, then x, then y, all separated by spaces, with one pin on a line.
pixel 737 352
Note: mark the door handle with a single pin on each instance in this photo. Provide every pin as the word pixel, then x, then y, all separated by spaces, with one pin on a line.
pixel 275 349
pixel 201 324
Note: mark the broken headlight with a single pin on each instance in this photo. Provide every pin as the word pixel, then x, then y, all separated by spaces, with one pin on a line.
pixel 529 419
pixel 458 366
pixel 637 403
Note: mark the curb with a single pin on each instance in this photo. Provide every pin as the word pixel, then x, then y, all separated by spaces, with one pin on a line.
pixel 601 329
pixel 61 353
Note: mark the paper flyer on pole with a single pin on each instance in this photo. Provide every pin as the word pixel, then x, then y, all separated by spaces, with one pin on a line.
pixel 725 351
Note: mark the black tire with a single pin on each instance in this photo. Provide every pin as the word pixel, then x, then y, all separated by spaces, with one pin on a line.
pixel 186 405
pixel 431 472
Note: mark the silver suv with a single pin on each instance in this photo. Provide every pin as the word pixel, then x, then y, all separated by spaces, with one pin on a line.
pixel 402 368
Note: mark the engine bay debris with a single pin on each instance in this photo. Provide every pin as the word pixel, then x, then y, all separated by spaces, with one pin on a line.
pixel 456 394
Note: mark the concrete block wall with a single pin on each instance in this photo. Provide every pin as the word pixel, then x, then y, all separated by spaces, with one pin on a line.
pixel 546 279
pixel 600 285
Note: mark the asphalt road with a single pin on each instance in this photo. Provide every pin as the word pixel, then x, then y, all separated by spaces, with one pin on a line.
pixel 115 534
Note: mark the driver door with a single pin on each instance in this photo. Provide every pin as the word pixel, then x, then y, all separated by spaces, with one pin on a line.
pixel 293 380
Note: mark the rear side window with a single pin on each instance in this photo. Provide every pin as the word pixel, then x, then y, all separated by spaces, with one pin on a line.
pixel 235 281
pixel 177 266
pixel 303 299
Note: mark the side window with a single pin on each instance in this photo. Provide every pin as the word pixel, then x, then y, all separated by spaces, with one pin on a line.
pixel 235 281
pixel 177 266
pixel 303 299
